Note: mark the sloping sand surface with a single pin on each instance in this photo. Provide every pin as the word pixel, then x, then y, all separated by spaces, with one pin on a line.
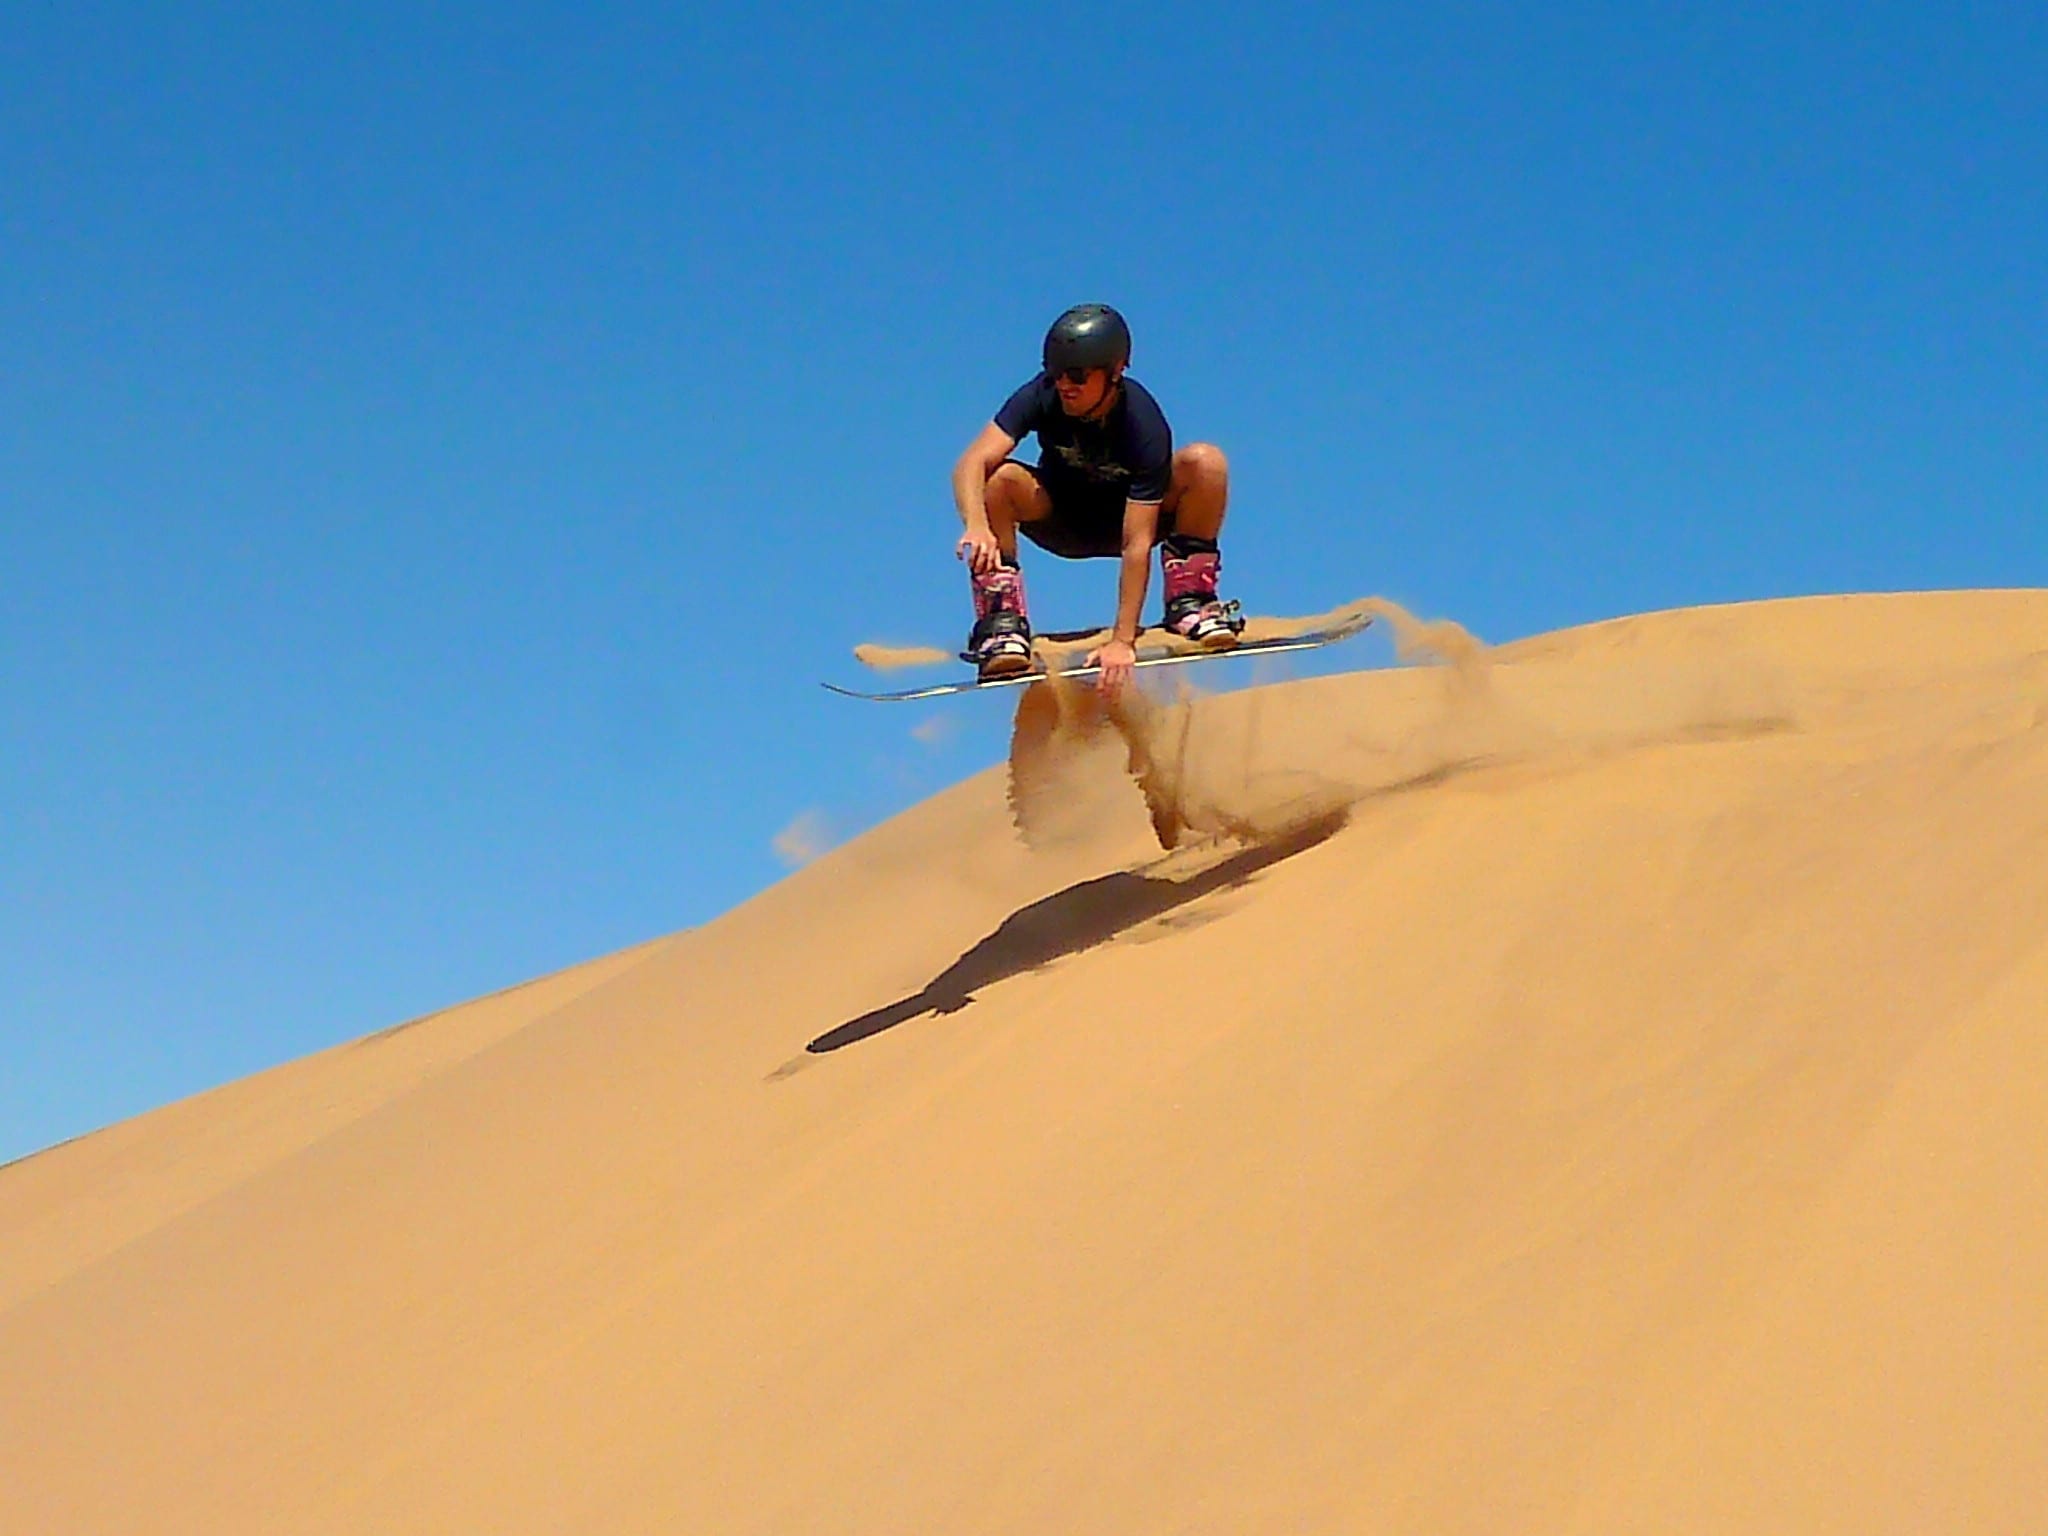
pixel 1598 1086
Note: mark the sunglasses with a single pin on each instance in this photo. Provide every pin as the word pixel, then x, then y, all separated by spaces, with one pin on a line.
pixel 1072 375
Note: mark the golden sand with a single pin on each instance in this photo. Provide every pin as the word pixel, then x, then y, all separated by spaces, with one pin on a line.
pixel 1594 1086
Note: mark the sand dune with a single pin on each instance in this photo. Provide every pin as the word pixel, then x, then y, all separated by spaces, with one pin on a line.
pixel 1597 1086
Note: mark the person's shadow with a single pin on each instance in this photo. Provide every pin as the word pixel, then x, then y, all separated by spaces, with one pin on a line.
pixel 1067 922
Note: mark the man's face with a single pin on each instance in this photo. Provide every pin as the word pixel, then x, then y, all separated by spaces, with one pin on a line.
pixel 1083 391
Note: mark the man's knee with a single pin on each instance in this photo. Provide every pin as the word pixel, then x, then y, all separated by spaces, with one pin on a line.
pixel 1011 484
pixel 1201 464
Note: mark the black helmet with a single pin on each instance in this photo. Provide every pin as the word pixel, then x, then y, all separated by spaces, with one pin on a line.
pixel 1088 336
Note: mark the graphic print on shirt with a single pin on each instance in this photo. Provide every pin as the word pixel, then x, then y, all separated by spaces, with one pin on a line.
pixel 1088 457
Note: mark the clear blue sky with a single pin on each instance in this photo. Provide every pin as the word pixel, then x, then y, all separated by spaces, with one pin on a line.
pixel 441 448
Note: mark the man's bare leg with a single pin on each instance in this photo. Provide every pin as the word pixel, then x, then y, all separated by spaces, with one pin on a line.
pixel 1001 641
pixel 1197 499
pixel 1014 496
pixel 1199 493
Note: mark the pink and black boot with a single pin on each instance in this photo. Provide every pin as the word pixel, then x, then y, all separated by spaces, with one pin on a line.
pixel 1193 611
pixel 1000 644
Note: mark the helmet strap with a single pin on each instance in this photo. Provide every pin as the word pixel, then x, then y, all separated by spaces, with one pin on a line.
pixel 1113 383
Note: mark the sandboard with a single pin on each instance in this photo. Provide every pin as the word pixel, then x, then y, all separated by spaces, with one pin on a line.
pixel 1309 640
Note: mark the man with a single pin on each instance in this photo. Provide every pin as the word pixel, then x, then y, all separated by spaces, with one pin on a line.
pixel 1108 483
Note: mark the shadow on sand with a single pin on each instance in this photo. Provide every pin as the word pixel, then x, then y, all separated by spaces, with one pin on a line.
pixel 1080 917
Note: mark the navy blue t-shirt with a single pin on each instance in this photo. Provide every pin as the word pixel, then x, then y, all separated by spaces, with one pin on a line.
pixel 1130 450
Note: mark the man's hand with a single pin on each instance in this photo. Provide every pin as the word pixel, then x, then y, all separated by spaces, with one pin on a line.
pixel 1116 658
pixel 978 547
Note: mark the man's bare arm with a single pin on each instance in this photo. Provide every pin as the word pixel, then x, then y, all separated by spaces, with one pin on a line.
pixel 1141 522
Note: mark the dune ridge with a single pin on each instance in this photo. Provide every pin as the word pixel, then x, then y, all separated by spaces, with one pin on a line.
pixel 1614 1105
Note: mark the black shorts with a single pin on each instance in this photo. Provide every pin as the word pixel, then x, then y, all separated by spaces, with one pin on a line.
pixel 1087 521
